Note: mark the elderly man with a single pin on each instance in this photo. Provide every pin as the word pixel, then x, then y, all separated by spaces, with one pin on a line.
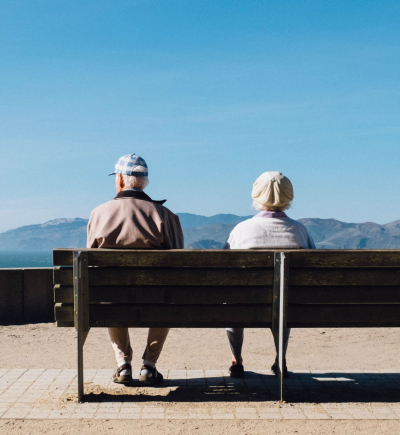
pixel 270 229
pixel 133 220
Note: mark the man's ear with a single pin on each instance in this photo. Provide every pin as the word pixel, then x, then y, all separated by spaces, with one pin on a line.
pixel 120 181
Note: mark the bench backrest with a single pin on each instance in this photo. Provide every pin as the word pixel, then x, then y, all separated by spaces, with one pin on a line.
pixel 149 288
pixel 180 288
pixel 340 288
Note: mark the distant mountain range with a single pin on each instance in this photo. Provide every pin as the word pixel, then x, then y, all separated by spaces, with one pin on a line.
pixel 202 232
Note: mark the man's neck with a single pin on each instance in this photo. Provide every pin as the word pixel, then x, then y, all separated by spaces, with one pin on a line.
pixel 138 194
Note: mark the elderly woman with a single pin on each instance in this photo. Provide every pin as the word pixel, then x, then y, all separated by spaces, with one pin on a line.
pixel 271 229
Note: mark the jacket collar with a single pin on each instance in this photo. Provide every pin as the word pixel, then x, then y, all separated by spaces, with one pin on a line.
pixel 272 214
pixel 137 195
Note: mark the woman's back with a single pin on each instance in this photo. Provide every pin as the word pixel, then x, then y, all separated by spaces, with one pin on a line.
pixel 270 230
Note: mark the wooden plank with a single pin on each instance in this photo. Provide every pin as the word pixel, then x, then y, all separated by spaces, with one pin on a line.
pixel 63 294
pixel 344 294
pixel 173 316
pixel 234 294
pixel 345 258
pixel 170 258
pixel 232 258
pixel 340 316
pixel 56 270
pixel 344 276
pixel 62 324
pixel 169 276
pixel 311 316
pixel 64 312
pixel 170 294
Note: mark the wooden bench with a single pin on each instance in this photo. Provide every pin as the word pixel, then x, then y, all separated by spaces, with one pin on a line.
pixel 217 289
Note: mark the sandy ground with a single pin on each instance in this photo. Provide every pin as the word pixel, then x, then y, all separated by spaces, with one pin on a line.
pixel 46 346
pixel 205 427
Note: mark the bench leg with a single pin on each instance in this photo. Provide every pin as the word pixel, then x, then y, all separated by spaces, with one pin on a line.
pixel 81 311
pixel 81 342
pixel 279 309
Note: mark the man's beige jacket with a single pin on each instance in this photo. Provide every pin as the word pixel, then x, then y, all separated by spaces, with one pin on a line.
pixel 133 220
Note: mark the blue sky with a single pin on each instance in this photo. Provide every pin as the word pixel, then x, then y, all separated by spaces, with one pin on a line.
pixel 210 93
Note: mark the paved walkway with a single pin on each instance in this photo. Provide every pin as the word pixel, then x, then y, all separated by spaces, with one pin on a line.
pixel 198 394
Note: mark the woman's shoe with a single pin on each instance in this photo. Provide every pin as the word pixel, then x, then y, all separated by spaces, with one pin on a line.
pixel 274 370
pixel 236 371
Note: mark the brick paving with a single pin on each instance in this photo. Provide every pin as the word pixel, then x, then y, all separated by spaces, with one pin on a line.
pixel 202 394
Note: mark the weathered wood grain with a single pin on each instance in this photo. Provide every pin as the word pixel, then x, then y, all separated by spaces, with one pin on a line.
pixel 341 316
pixel 174 316
pixel 234 294
pixel 62 324
pixel 64 312
pixel 170 294
pixel 344 276
pixel 234 276
pixel 169 276
pixel 344 258
pixel 232 258
pixel 170 258
pixel 329 288
pixel 344 294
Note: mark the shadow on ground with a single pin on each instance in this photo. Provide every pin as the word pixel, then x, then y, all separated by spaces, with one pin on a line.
pixel 300 387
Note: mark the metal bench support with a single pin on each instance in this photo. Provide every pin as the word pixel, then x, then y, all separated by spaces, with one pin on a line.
pixel 279 310
pixel 81 310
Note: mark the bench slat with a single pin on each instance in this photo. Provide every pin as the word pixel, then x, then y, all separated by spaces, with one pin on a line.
pixel 232 294
pixel 213 316
pixel 170 258
pixel 233 276
pixel 170 294
pixel 232 258
pixel 341 316
pixel 343 294
pixel 64 324
pixel 174 316
pixel 344 258
pixel 169 276
pixel 334 277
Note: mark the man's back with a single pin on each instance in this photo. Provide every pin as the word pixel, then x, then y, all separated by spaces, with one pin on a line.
pixel 133 221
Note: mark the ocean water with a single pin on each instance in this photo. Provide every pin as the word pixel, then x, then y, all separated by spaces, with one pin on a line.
pixel 10 259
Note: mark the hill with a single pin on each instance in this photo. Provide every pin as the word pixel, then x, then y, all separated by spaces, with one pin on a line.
pixel 202 232
pixel 333 234
pixel 189 220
